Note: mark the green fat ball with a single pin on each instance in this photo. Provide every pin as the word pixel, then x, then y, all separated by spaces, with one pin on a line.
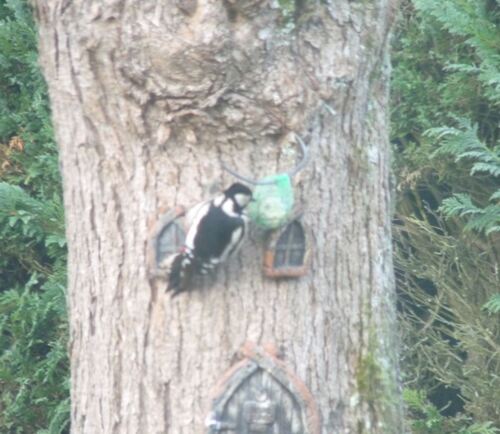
pixel 273 203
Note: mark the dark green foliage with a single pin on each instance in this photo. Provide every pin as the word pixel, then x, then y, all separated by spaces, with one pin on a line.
pixel 446 130
pixel 493 305
pixel 464 144
pixel 426 418
pixel 34 385
pixel 23 97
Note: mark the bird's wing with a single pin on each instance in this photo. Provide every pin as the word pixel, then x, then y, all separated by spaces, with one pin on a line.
pixel 199 211
pixel 235 243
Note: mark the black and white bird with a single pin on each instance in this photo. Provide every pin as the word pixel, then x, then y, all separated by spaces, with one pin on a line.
pixel 216 231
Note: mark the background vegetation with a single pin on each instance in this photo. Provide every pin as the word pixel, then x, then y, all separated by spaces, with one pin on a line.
pixel 446 116
pixel 33 333
pixel 446 126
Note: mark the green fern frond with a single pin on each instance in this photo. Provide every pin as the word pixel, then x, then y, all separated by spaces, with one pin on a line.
pixel 459 205
pixel 461 142
pixel 493 304
pixel 483 220
pixel 480 428
pixel 495 196
pixel 464 144
pixel 487 222
pixel 37 218
pixel 490 168
pixel 430 420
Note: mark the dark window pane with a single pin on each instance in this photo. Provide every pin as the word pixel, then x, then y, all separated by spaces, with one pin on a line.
pixel 296 257
pixel 290 247
pixel 279 258
pixel 297 236
pixel 169 241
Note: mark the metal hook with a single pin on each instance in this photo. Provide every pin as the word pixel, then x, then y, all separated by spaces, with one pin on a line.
pixel 290 173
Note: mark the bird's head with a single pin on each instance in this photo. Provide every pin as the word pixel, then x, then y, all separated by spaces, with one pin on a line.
pixel 240 194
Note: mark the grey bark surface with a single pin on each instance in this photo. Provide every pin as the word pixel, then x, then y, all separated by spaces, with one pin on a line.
pixel 148 99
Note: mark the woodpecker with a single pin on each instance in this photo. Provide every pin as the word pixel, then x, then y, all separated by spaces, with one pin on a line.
pixel 217 230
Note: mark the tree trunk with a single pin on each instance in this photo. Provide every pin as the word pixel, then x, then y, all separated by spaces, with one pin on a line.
pixel 148 99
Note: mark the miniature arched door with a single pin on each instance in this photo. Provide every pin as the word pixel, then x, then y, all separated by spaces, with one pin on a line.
pixel 260 395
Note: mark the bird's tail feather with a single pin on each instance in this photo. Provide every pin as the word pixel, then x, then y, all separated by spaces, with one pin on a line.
pixel 180 273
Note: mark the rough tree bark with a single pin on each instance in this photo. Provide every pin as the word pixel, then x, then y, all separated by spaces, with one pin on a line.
pixel 148 98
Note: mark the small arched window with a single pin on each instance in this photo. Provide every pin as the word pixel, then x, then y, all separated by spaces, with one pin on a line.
pixel 287 253
pixel 166 240
pixel 169 241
